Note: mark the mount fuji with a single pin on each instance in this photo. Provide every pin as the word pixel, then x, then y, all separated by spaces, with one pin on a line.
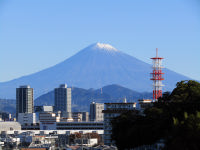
pixel 95 66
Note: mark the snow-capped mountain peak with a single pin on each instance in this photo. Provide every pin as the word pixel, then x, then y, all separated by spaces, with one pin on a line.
pixel 103 46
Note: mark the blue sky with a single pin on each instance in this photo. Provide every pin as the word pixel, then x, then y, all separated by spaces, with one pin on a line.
pixel 37 34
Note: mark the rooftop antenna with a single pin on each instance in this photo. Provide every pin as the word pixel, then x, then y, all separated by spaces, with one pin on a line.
pixel 124 100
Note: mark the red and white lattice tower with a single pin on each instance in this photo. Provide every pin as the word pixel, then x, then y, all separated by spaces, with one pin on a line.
pixel 157 76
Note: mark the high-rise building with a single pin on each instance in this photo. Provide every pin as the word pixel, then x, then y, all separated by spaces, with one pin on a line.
pixel 24 100
pixel 96 111
pixel 111 111
pixel 63 101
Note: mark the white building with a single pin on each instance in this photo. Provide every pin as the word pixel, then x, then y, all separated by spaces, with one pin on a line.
pixel 47 132
pixel 40 109
pixel 9 126
pixel 113 110
pixel 96 111
pixel 26 118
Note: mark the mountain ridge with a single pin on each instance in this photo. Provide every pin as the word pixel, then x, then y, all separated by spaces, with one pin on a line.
pixel 81 98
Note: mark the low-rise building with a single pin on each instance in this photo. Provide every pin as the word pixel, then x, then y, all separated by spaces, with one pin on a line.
pixel 86 141
pixel 81 116
pixel 77 117
pixel 80 126
pixel 28 121
pixel 43 109
pixel 53 121
pixel 9 126
pixel 42 141
pixel 26 118
pixel 145 103
pixel 48 120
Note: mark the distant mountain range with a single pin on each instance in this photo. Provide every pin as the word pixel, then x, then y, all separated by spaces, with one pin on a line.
pixel 8 105
pixel 93 67
pixel 81 98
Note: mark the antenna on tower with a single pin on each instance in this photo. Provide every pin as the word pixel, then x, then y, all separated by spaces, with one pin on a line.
pixel 157 52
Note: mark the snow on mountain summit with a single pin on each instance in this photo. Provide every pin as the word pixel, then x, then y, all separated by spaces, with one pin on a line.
pixel 103 46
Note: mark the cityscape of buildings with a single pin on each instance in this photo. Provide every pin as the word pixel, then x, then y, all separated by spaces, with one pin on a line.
pixel 55 127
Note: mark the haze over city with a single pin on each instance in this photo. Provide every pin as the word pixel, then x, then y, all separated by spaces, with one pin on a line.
pixel 35 35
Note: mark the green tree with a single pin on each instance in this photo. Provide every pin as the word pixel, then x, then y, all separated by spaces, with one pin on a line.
pixel 185 134
pixel 173 118
pixel 186 91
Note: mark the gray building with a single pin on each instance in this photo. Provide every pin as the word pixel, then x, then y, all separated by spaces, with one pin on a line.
pixel 63 101
pixel 96 111
pixel 111 111
pixel 24 100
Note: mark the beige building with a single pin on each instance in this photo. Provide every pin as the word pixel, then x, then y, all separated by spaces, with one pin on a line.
pixel 9 126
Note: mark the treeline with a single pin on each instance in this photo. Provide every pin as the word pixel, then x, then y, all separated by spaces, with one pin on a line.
pixel 174 120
